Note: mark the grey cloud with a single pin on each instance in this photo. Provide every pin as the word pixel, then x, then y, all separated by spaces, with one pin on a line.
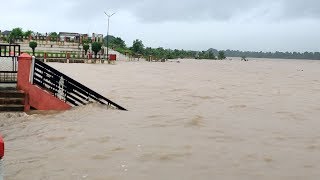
pixel 175 10
pixel 298 9
pixel 192 10
pixel 165 10
pixel 212 23
pixel 197 10
pixel 88 10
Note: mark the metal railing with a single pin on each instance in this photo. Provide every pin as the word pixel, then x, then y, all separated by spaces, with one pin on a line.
pixel 64 87
pixel 9 63
pixel 9 50
pixel 8 76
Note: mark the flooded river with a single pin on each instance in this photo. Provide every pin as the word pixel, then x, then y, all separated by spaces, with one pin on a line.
pixel 227 120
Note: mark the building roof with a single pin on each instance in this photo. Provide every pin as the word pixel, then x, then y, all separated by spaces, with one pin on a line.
pixel 68 34
pixel 98 34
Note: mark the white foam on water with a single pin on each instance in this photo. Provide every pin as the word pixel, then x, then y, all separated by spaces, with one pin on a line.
pixel 188 120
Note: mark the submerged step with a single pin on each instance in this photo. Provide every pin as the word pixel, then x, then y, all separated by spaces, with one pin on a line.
pixel 8 87
pixel 12 94
pixel 11 108
pixel 17 101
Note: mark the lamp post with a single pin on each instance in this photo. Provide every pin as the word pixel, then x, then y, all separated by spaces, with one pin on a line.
pixel 109 16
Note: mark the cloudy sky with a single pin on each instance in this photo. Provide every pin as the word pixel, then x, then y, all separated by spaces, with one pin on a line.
pixel 259 25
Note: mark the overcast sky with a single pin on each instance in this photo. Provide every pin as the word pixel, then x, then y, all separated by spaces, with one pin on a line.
pixel 259 25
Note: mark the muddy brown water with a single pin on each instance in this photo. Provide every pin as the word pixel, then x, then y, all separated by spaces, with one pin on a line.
pixel 189 120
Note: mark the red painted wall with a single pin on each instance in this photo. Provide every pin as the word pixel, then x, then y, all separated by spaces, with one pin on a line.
pixel 1 147
pixel 112 57
pixel 35 96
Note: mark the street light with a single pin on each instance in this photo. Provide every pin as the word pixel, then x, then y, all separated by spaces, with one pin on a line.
pixel 109 16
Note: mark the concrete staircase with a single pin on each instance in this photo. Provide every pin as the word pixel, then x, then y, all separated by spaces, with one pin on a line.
pixel 52 47
pixel 11 100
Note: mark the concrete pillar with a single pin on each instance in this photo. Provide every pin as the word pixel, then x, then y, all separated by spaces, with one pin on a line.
pixel 45 57
pixel 68 57
pixel 23 77
pixel 35 96
pixel 24 64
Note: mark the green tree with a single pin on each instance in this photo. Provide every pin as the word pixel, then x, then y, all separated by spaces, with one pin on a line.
pixel 53 35
pixel 86 48
pixel 96 47
pixel 137 47
pixel 119 43
pixel 211 55
pixel 85 41
pixel 16 34
pixel 33 46
pixel 221 55
pixel 115 42
pixel 203 55
pixel 148 51
pixel 160 53
pixel 27 33
pixel 169 54
pixel 89 40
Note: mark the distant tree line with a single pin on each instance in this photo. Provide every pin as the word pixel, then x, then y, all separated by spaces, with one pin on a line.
pixel 138 49
pixel 277 54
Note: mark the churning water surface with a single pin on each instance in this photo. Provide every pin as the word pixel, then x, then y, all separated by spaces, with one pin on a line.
pixel 190 120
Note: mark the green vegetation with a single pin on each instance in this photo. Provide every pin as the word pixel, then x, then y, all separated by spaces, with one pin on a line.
pixel 115 42
pixel 27 33
pixel 161 53
pixel 138 49
pixel 221 55
pixel 86 48
pixel 209 54
pixel 277 54
pixel 33 45
pixel 86 41
pixel 16 34
pixel 53 36
pixel 96 47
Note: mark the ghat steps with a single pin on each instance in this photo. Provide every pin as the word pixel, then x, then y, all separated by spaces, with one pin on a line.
pixel 11 100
